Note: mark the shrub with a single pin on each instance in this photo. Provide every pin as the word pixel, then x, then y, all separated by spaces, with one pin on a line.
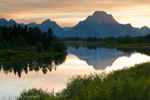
pixel 59 46
pixel 36 94
pixel 125 84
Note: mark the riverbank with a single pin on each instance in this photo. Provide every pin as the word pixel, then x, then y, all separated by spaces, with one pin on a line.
pixel 108 44
pixel 125 84
pixel 27 53
pixel 126 48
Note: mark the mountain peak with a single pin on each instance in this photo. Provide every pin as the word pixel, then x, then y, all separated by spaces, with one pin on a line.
pixel 98 13
pixel 3 20
pixel 101 16
pixel 11 21
pixel 144 27
pixel 46 21
pixel 32 24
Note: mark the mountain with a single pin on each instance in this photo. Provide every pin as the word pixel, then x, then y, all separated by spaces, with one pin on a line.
pixel 33 24
pixel 44 26
pixel 11 22
pixel 101 17
pixel 4 22
pixel 101 24
pixel 67 28
pixel 144 30
pixel 57 30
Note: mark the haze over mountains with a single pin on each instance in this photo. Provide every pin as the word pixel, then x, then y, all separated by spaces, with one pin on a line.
pixel 100 24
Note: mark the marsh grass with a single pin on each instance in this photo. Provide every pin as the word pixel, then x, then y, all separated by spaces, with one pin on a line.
pixel 27 53
pixel 125 84
pixel 36 94
pixel 108 44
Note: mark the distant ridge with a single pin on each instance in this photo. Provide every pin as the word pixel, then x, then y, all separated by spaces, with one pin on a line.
pixel 44 26
pixel 100 24
pixel 57 30
pixel 4 22
pixel 144 30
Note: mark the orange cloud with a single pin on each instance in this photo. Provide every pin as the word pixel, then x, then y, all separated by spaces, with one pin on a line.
pixel 37 10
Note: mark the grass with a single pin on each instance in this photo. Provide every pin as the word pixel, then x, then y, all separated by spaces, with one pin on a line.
pixel 107 44
pixel 34 94
pixel 125 84
pixel 125 48
pixel 20 54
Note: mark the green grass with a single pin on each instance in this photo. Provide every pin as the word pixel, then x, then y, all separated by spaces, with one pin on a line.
pixel 36 94
pixel 107 44
pixel 125 84
pixel 20 54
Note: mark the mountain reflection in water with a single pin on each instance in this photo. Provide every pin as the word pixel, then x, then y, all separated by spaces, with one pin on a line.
pixel 81 60
pixel 99 58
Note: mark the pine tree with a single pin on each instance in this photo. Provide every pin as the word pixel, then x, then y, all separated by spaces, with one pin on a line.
pixel 12 42
pixel 49 38
pixel 21 42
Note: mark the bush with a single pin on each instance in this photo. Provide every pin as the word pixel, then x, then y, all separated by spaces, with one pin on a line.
pixel 125 84
pixel 39 47
pixel 59 46
pixel 36 94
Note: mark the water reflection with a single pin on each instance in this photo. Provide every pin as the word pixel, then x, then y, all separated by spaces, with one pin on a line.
pixel 98 57
pixel 80 60
pixel 44 64
pixel 127 62
pixel 142 50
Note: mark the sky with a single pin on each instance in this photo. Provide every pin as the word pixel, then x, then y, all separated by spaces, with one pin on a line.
pixel 68 13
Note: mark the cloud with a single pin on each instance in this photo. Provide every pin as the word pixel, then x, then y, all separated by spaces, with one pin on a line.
pixel 62 9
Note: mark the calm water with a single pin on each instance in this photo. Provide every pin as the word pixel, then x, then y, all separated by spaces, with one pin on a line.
pixel 53 73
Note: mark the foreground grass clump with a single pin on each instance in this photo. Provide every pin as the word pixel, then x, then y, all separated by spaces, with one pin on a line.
pixel 125 84
pixel 36 94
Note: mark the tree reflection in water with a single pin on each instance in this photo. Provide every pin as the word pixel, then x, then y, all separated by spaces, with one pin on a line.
pixel 142 49
pixel 44 64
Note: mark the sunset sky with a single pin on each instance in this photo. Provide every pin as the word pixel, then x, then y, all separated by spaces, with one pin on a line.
pixel 70 12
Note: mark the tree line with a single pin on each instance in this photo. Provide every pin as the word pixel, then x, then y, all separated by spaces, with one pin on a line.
pixel 18 36
pixel 123 40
